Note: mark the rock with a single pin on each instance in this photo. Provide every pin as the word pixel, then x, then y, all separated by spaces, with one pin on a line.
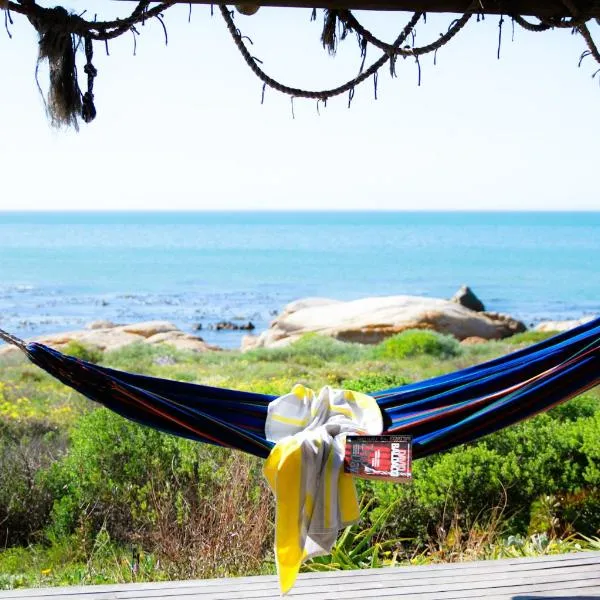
pixel 8 350
pixel 113 338
pixel 181 340
pixel 197 326
pixel 231 326
pixel 472 341
pixel 101 325
pixel 103 339
pixel 512 325
pixel 149 328
pixel 303 303
pixel 249 342
pixel 370 320
pixel 561 325
pixel 465 297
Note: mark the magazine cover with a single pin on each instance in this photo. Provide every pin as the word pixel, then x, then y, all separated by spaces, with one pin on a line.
pixel 385 457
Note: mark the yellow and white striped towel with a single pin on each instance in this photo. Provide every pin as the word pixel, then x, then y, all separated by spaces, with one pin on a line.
pixel 314 497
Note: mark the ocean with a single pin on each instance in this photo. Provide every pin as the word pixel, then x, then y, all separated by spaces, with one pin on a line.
pixel 59 271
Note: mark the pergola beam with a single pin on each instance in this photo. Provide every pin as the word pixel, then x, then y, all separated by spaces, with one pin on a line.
pixel 543 8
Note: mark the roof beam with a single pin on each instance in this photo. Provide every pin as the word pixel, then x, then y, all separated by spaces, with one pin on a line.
pixel 541 8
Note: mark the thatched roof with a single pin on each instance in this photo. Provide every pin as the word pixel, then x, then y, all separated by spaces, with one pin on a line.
pixel 62 33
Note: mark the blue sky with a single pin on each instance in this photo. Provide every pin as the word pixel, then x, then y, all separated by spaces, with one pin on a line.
pixel 182 127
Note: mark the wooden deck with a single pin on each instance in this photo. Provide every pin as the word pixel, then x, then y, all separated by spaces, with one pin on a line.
pixel 575 576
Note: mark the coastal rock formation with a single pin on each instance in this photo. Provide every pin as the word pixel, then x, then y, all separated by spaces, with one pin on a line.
pixel 101 325
pixel 370 320
pixel 231 326
pixel 467 298
pixel 114 337
pixel 547 326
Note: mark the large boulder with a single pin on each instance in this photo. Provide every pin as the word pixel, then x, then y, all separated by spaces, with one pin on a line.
pixel 303 303
pixel 148 328
pixel 370 320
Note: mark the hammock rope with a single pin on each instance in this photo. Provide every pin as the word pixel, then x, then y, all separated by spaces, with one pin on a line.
pixel 61 33
pixel 439 413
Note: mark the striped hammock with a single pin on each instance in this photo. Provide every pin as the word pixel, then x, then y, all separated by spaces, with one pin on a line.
pixel 439 413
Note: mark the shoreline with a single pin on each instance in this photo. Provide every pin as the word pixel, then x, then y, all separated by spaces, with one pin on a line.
pixel 239 334
pixel 57 313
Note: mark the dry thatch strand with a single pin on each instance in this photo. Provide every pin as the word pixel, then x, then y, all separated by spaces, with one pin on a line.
pixel 58 47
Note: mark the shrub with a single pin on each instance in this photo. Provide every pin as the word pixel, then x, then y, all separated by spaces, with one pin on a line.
pixel 91 354
pixel 25 504
pixel 141 358
pixel 512 470
pixel 311 349
pixel 529 337
pixel 202 507
pixel 416 342
pixel 374 382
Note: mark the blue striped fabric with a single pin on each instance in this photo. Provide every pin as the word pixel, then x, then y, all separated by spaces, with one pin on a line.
pixel 439 413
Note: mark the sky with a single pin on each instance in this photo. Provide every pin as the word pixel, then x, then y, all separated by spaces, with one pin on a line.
pixel 182 127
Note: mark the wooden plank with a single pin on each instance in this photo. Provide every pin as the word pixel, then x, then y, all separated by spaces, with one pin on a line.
pixel 348 584
pixel 542 8
pixel 405 572
pixel 387 577
pixel 501 579
pixel 356 589
pixel 587 589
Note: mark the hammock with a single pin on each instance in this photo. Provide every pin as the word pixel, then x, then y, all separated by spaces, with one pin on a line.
pixel 439 413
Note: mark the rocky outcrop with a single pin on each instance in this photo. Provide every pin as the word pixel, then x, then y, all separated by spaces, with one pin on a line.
pixel 548 326
pixel 466 297
pixel 509 325
pixel 101 325
pixel 370 320
pixel 231 326
pixel 116 336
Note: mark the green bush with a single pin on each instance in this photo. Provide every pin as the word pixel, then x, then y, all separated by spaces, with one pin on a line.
pixel 144 358
pixel 374 382
pixel 111 471
pixel 510 470
pixel 417 342
pixel 529 337
pixel 76 349
pixel 311 349
pixel 203 508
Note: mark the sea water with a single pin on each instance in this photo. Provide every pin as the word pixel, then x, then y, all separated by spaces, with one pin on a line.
pixel 59 271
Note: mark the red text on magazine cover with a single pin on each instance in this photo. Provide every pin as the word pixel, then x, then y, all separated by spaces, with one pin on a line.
pixel 385 457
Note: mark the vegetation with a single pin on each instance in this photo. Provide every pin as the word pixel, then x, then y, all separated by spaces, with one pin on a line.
pixel 88 497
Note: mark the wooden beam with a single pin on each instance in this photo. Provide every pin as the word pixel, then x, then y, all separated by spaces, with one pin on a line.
pixel 542 8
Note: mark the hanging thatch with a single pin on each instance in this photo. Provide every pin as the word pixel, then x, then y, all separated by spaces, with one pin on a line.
pixel 62 33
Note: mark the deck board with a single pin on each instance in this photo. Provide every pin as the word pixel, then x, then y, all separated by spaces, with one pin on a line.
pixel 575 576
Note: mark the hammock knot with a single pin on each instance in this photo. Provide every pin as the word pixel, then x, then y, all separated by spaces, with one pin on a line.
pixel 88 110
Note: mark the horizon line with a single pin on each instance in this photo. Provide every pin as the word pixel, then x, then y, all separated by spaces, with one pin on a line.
pixel 11 211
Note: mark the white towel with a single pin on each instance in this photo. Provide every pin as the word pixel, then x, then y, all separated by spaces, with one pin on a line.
pixel 314 497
